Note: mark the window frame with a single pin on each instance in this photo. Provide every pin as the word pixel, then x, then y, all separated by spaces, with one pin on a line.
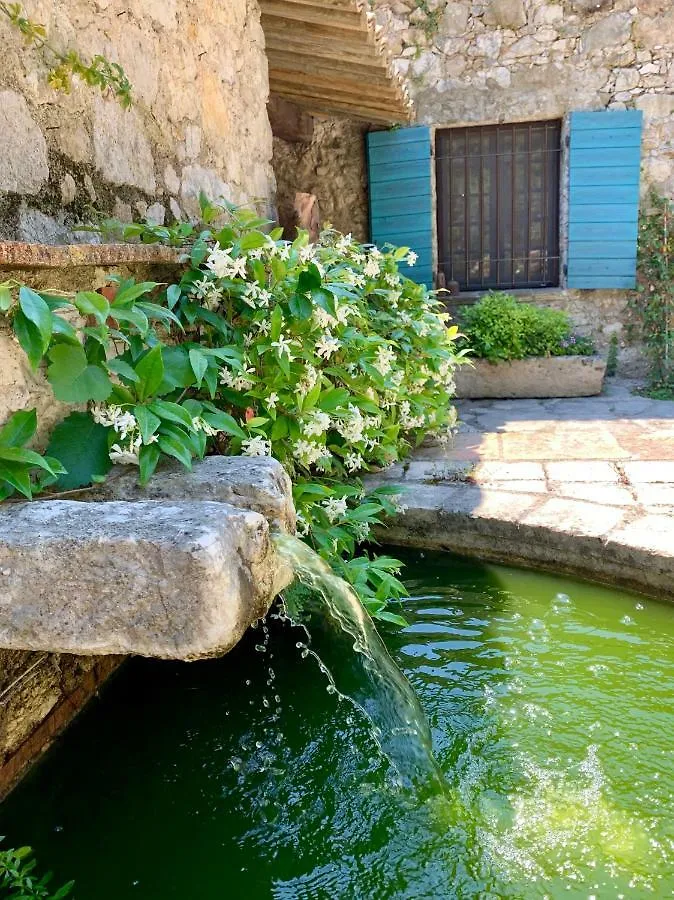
pixel 560 211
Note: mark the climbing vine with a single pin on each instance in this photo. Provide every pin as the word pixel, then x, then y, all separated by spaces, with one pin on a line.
pixel 98 72
pixel 654 303
pixel 19 880
pixel 321 355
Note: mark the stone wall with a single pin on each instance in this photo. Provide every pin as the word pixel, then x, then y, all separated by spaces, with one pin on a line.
pixel 40 694
pixel 493 61
pixel 331 165
pixel 198 121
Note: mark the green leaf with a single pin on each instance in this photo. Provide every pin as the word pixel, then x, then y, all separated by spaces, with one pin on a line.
pixel 223 422
pixel 36 311
pixel 333 399
pixel 148 458
pixel 173 294
pixel 5 298
pixel 276 322
pixel 128 294
pixel 150 370
pixel 21 455
pixel 147 422
pixel 17 477
pixel 325 300
pixel 19 428
pixel 177 370
pixel 179 449
pixel 134 316
pixel 119 367
pixel 89 303
pixel 279 429
pixel 252 240
pixel 173 412
pixel 65 330
pixel 73 379
pixel 300 306
pixel 309 280
pixel 81 446
pixel 29 339
pixel 199 364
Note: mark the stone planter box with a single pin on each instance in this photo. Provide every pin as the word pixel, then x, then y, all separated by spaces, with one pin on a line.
pixel 546 376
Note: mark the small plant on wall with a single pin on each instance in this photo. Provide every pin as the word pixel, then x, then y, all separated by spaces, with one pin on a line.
pixel 654 303
pixel 98 72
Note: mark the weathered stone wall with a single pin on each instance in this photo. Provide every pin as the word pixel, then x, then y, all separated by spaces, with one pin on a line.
pixel 511 60
pixel 40 693
pixel 330 165
pixel 198 121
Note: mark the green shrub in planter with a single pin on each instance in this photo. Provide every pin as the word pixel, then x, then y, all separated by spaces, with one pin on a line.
pixel 500 327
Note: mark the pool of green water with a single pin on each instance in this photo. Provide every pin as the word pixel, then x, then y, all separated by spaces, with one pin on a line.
pixel 551 704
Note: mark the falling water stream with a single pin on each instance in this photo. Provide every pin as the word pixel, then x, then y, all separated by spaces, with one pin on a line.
pixel 551 708
pixel 350 652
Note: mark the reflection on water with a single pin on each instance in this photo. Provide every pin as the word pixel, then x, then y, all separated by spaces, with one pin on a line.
pixel 551 705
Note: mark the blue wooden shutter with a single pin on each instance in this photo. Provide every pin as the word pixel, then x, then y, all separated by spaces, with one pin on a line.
pixel 401 204
pixel 604 164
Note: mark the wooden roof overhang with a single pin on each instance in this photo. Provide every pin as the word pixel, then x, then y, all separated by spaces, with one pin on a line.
pixel 329 57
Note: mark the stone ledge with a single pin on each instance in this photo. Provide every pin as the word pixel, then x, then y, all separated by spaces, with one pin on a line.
pixel 172 580
pixel 19 255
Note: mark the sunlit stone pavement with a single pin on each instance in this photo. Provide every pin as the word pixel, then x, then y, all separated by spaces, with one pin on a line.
pixel 599 468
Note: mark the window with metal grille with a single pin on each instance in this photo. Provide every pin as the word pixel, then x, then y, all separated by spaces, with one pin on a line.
pixel 498 205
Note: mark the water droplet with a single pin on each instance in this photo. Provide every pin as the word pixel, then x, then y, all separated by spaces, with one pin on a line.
pixel 562 598
pixel 627 620
pixel 639 606
pixel 260 648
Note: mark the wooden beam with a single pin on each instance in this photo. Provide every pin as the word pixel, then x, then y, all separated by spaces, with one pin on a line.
pixel 315 14
pixel 310 63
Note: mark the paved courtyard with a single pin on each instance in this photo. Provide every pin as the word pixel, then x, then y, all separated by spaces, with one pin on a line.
pixel 599 469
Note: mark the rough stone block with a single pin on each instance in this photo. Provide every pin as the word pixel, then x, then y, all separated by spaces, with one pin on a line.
pixel 609 32
pixel 23 149
pixel 555 376
pixel 506 14
pixel 259 483
pixel 178 580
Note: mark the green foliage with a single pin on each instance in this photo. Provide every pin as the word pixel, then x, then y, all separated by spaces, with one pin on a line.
pixel 98 72
pixel 321 355
pixel 81 446
pixel 19 881
pixel 654 303
pixel 500 327
pixel 22 470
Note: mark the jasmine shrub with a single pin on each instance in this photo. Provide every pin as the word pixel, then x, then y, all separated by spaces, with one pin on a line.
pixel 322 355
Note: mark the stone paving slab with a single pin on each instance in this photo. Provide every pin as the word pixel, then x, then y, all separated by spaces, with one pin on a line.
pixel 583 485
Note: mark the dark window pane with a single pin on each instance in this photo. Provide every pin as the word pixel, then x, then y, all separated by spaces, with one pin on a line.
pixel 498 205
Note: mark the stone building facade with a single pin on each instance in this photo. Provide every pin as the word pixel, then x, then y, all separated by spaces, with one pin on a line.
pixel 196 122
pixel 487 62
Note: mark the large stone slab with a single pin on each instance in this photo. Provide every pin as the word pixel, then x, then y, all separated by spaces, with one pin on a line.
pixel 554 376
pixel 175 580
pixel 257 483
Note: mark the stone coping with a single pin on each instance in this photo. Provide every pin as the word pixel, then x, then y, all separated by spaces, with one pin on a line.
pixel 533 377
pixel 20 255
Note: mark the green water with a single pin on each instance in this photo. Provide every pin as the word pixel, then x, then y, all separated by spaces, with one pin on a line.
pixel 551 704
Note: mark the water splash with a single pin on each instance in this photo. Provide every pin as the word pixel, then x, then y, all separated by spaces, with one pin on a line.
pixel 367 676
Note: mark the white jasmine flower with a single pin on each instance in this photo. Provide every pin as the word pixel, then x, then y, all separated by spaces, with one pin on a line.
pixel 335 508
pixel 263 326
pixel 343 244
pixel 323 319
pixel 307 253
pixel 219 261
pixel 355 279
pixel 327 346
pixel 317 425
pixel 411 258
pixel 256 446
pixel 371 268
pixel 283 346
pixel 343 312
pixel 307 453
pixel 384 360
pixel 353 462
pixel 126 456
pixel 392 279
pixel 302 525
pixel 361 531
pixel 200 424
pixel 272 400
